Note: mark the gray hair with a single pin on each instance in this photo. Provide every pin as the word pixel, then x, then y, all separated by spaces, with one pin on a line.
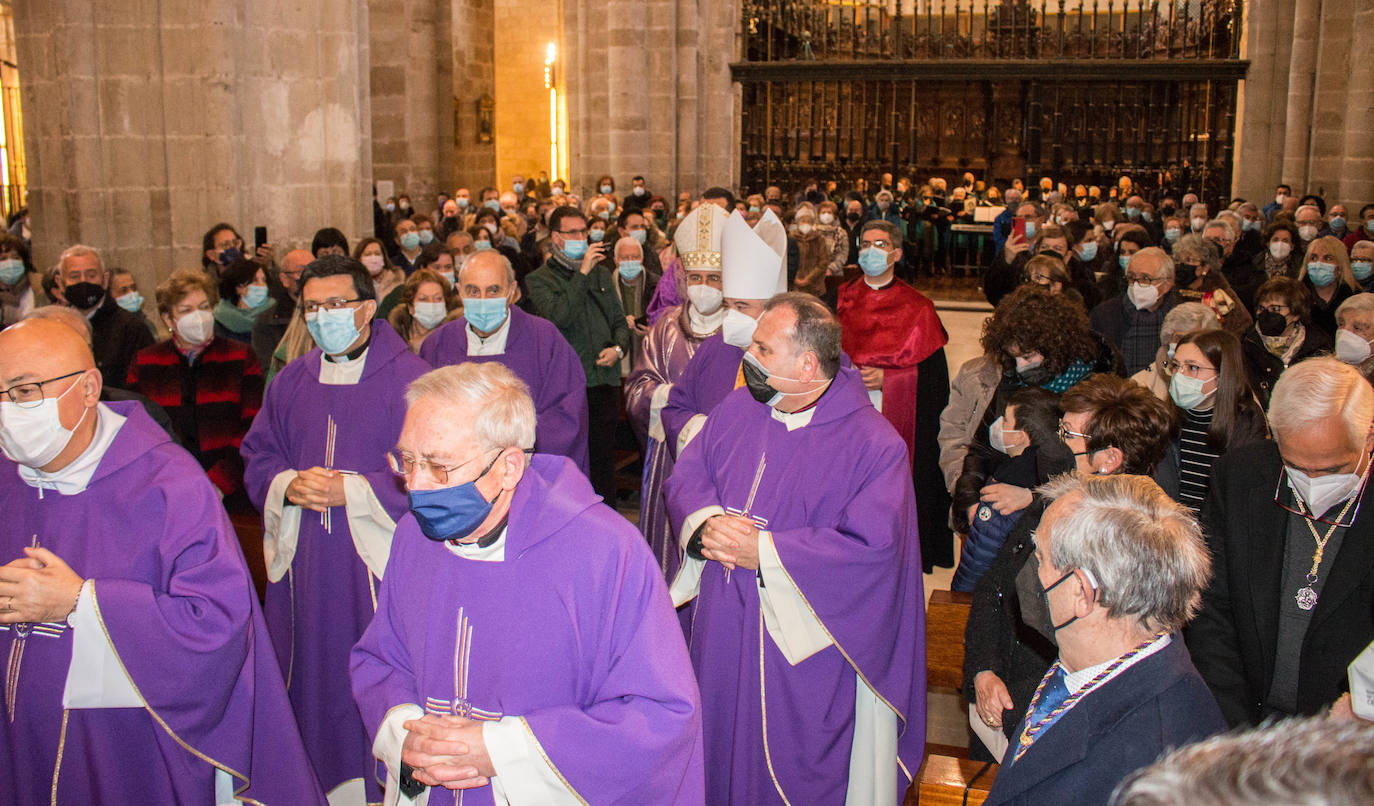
pixel 493 255
pixel 1224 221
pixel 1144 549
pixel 1361 242
pixel 1359 303
pixel 1303 761
pixel 816 329
pixel 70 318
pixel 498 403
pixel 1318 388
pixel 1197 246
pixel 1185 318
pixel 1158 254
pixel 1012 196
pixel 79 250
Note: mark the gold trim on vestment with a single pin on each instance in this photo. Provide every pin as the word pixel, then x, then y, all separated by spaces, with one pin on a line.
pixel 61 748
pixel 95 602
pixel 763 706
pixel 552 766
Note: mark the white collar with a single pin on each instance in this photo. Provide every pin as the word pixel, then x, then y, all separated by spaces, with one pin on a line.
pixel 869 282
pixel 1074 681
pixel 704 324
pixel 796 419
pixel 495 344
pixel 343 372
pixel 494 553
pixel 75 477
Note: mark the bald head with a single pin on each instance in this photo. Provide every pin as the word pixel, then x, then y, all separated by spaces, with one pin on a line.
pixel 292 264
pixel 486 274
pixel 66 316
pixel 40 348
pixel 53 357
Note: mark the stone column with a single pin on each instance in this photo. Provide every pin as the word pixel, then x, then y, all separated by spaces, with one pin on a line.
pixel 1261 120
pixel 1302 70
pixel 407 38
pixel 147 123
pixel 472 30
pixel 1357 162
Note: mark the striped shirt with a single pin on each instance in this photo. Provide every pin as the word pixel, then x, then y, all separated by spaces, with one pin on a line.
pixel 1195 459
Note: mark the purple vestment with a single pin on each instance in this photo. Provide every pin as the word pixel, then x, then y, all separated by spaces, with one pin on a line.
pixel 328 597
pixel 539 355
pixel 704 383
pixel 178 606
pixel 573 632
pixel 667 350
pixel 847 539
pixel 668 294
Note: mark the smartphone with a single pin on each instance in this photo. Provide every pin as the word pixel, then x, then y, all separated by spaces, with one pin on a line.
pixel 1018 226
pixel 642 321
pixel 259 238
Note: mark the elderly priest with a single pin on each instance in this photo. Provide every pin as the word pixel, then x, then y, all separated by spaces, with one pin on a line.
pixel 136 665
pixel 524 649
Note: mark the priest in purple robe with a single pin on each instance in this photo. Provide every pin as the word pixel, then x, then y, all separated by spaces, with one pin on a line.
pixel 493 329
pixel 751 271
pixel 315 465
pixel 524 650
pixel 666 351
pixel 128 621
pixel 795 509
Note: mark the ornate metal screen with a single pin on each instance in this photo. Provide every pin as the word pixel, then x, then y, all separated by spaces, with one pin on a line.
pixel 1083 92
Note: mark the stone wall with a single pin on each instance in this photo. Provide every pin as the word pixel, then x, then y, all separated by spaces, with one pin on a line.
pixel 524 29
pixel 146 123
pixel 474 75
pixel 1307 107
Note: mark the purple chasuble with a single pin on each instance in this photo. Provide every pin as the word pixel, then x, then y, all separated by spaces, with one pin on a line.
pixel 848 541
pixel 539 355
pixel 709 376
pixel 327 598
pixel 667 350
pixel 178 606
pixel 669 293
pixel 573 632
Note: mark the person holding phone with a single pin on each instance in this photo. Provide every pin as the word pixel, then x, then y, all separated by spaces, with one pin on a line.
pixel 1004 273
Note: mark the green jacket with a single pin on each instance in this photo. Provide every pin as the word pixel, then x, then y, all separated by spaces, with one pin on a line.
pixel 586 310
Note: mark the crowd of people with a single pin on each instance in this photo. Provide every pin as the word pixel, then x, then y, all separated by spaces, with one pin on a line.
pixel 1153 472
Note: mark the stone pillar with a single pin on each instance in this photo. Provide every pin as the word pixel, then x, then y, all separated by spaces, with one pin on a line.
pixel 145 124
pixel 1267 42
pixel 1302 76
pixel 472 32
pixel 1357 162
pixel 407 38
pixel 524 29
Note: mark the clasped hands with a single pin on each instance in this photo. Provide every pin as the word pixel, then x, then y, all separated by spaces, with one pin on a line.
pixel 317 488
pixel 447 751
pixel 38 587
pixel 731 541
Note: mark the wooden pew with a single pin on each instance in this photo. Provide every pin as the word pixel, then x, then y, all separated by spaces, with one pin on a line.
pixel 946 781
pixel 946 616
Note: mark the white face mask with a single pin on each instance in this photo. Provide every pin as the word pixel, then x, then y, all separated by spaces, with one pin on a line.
pixel 997 437
pixel 196 327
pixel 34 437
pixel 738 329
pixel 1143 296
pixel 374 264
pixel 1350 348
pixel 1280 249
pixel 1323 492
pixel 430 314
pixel 1307 232
pixel 804 228
pixel 827 219
pixel 704 298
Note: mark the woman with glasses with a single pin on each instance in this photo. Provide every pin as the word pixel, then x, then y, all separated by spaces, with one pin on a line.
pixel 1218 410
pixel 1282 335
pixel 1185 318
pixel 1110 425
pixel 1355 334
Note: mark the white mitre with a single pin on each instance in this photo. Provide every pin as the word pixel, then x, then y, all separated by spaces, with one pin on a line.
pixel 773 233
pixel 698 237
pixel 750 267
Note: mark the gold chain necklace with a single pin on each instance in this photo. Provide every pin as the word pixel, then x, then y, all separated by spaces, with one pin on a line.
pixel 1307 596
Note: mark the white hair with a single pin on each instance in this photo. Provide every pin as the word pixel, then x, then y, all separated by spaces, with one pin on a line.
pixel 1318 388
pixel 1357 304
pixel 1144 549
pixel 497 402
pixel 1195 245
pixel 1223 220
pixel 1300 761
pixel 79 250
pixel 1158 254
pixel 629 242
pixel 1185 318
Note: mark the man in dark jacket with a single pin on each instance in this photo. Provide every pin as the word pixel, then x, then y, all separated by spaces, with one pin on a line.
pixel 1131 322
pixel 578 295
pixel 116 334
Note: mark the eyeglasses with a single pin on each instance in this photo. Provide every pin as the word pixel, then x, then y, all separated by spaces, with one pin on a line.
pixel 30 395
pixel 1144 279
pixel 332 304
pixel 879 244
pixel 1065 432
pixel 1281 310
pixel 1299 509
pixel 1189 369
pixel 575 233
pixel 404 465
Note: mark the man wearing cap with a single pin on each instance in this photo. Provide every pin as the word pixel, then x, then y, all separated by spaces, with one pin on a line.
pixel 752 271
pixel 667 350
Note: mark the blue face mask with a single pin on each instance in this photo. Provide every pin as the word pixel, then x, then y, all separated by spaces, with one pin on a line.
pixel 606 189
pixel 1087 250
pixel 485 315
pixel 1250 226
pixel 451 513
pixel 492 204
pixel 1171 234
pixel 426 236
pixel 1133 213
pixel 1321 274
pixel 597 235
pixel 462 202
pixel 1146 215
pixel 1124 260
pixel 481 246
pixel 131 302
pixel 1337 222
pixel 410 241
pixel 255 295
pixel 333 331
pixel 518 188
pixel 1030 230
pixel 1361 269
pixel 11 269
pixel 630 269
pixel 873 261
pixel 639 235
pixel 575 248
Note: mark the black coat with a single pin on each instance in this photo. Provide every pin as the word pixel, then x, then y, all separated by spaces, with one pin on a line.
pixel 116 335
pixel 1263 368
pixel 1234 638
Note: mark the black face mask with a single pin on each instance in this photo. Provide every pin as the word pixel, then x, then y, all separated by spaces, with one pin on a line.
pixel 1166 211
pixel 853 216
pixel 1034 600
pixel 757 382
pixel 1184 274
pixel 83 295
pixel 1035 376
pixel 1271 323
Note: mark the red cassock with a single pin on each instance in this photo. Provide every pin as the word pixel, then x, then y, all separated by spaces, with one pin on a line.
pixel 893 328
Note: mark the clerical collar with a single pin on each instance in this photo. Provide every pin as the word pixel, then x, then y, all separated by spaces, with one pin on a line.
pixel 801 417
pixel 487 540
pixel 351 355
pixel 495 344
pixel 879 287
pixel 75 477
pixel 703 325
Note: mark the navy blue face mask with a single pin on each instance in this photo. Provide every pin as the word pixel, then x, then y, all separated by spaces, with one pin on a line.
pixel 452 513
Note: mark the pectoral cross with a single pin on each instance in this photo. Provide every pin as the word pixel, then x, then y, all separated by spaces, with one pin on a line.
pixel 22 632
pixel 759 523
